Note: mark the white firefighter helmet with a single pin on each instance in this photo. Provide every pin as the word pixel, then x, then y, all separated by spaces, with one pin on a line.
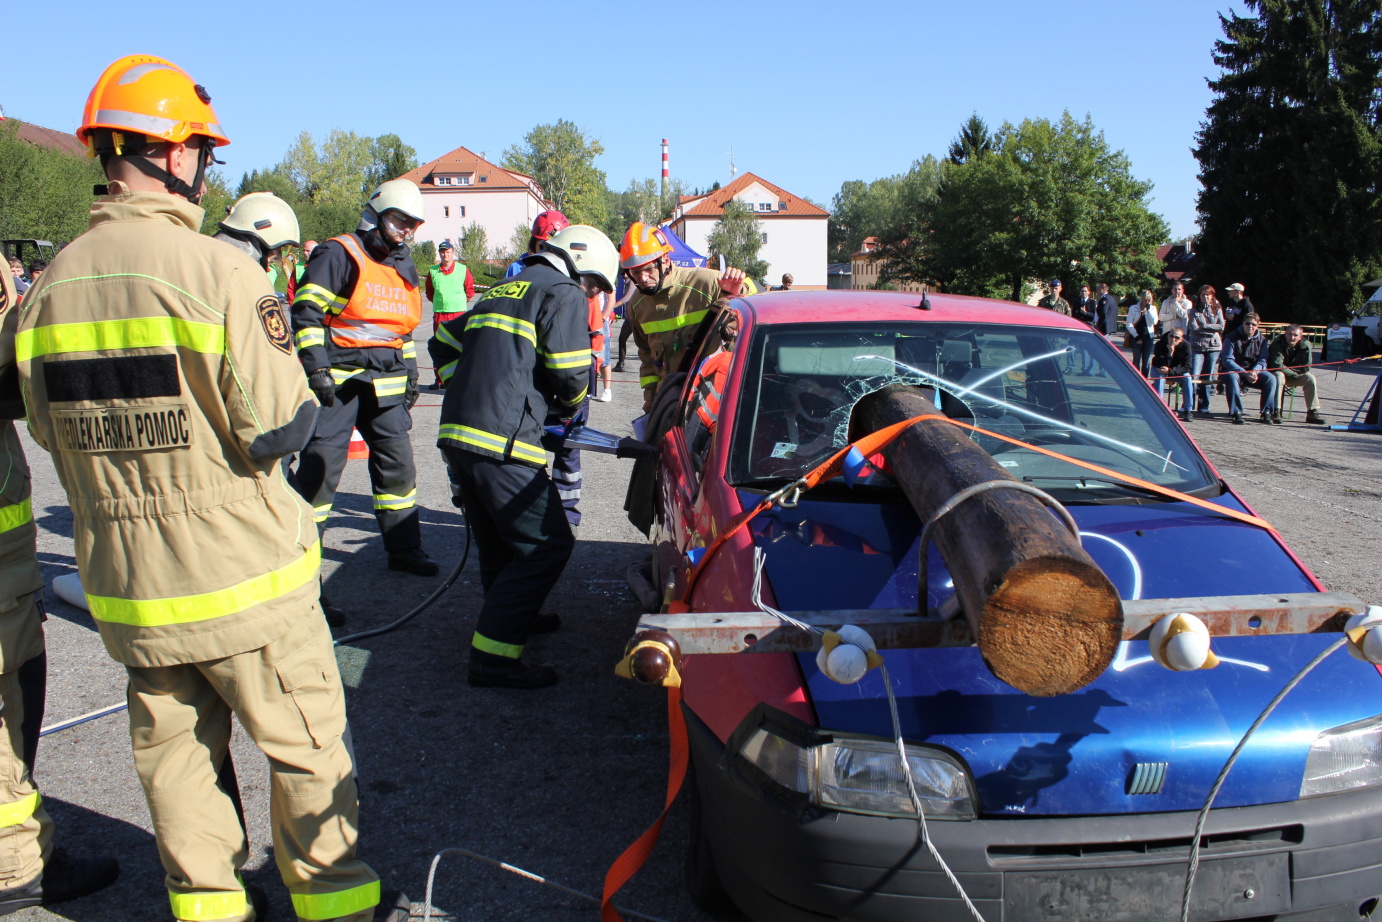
pixel 266 216
pixel 589 252
pixel 398 195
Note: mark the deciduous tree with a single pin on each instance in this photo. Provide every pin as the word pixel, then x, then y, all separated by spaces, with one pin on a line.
pixel 474 246
pixel 561 157
pixel 45 194
pixel 737 237
pixel 1050 198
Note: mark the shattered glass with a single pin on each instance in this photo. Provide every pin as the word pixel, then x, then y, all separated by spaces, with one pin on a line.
pixel 1068 390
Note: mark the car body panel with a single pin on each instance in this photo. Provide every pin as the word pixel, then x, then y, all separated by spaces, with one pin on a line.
pixel 1049 773
pixel 1075 754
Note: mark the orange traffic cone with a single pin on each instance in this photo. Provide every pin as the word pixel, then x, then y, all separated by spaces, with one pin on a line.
pixel 358 448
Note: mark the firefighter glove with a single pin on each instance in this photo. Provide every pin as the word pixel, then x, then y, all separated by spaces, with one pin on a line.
pixel 322 384
pixel 410 395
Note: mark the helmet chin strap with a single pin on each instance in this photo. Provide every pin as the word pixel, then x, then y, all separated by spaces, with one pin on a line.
pixel 662 264
pixel 174 184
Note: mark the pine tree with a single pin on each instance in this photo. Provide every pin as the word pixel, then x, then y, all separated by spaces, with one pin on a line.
pixel 974 139
pixel 1290 154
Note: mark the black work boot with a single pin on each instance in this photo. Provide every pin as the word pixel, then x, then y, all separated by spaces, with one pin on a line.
pixel 393 907
pixel 65 877
pixel 490 671
pixel 413 560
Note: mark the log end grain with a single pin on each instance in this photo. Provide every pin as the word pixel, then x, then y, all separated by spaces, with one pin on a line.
pixel 1052 627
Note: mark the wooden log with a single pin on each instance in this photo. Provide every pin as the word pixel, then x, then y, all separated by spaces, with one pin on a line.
pixel 1046 618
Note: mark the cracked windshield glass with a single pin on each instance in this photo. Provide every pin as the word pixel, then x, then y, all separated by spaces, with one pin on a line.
pixel 1064 391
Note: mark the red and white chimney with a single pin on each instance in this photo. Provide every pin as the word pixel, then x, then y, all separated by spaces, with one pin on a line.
pixel 663 189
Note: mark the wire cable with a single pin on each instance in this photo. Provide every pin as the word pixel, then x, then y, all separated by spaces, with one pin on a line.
pixel 349 638
pixel 916 800
pixel 1233 757
pixel 421 606
pixel 432 873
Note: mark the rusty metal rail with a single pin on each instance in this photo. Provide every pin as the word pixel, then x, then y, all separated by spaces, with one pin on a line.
pixel 896 628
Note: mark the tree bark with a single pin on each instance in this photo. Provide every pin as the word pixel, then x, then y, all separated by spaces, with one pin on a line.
pixel 1047 619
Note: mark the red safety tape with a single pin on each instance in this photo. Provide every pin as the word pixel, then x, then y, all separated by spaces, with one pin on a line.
pixel 633 858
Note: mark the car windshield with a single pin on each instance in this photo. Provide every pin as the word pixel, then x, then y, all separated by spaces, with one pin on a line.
pixel 1066 391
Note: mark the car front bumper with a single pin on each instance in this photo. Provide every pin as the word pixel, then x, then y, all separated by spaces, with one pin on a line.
pixel 1309 861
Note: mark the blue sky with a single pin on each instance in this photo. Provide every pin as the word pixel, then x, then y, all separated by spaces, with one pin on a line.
pixel 807 94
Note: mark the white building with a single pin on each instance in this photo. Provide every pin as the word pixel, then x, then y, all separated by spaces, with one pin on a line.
pixel 460 188
pixel 794 230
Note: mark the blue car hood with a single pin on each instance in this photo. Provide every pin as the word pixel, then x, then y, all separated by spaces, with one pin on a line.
pixel 1075 754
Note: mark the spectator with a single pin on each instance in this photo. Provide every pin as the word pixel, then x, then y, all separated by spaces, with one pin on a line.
pixel 450 286
pixel 1053 301
pixel 1288 357
pixel 36 268
pixel 1085 308
pixel 1205 324
pixel 1174 310
pixel 1245 360
pixel 1106 317
pixel 786 285
pixel 602 360
pixel 1171 361
pixel 1140 327
pixel 1238 307
pixel 21 284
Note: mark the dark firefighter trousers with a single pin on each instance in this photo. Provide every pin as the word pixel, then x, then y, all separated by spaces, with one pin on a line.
pixel 515 517
pixel 566 462
pixel 392 474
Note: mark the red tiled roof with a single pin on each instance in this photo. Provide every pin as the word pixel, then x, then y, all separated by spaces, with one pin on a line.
pixel 47 137
pixel 712 204
pixel 462 160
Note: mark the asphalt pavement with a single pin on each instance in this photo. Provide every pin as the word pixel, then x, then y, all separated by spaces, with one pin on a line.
pixel 557 781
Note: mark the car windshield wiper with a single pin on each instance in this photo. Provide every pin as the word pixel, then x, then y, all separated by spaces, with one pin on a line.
pixel 1093 481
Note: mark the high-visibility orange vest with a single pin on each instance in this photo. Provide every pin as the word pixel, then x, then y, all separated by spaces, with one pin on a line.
pixel 709 387
pixel 383 310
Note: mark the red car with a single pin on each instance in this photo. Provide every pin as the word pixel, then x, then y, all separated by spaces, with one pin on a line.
pixel 1078 806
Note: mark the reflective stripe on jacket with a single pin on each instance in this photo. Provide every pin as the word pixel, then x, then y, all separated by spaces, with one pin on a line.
pixel 524 346
pixel 665 323
pixel 161 377
pixel 708 387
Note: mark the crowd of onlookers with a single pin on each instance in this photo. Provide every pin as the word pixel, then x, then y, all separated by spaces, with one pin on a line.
pixel 1201 347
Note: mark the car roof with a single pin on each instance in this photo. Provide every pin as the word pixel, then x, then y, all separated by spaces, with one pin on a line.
pixel 840 305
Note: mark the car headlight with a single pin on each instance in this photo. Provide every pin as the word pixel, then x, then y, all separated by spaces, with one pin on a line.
pixel 1344 758
pixel 863 776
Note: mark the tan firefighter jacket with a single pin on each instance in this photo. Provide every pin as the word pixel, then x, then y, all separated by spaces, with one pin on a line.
pixel 159 372
pixel 21 639
pixel 665 324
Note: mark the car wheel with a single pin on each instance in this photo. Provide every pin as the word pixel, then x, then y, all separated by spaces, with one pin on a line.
pixel 702 879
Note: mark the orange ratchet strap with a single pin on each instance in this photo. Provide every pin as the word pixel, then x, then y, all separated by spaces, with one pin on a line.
pixel 875 441
pixel 627 864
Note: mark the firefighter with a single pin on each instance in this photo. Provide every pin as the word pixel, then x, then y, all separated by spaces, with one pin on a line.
pixel 354 317
pixel 546 225
pixel 159 369
pixel 260 225
pixel 450 286
pixel 33 871
pixel 671 303
pixel 523 347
